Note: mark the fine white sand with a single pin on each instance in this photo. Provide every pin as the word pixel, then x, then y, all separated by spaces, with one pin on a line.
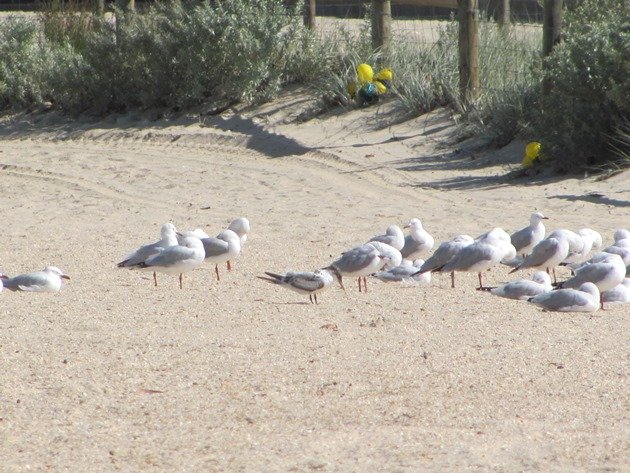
pixel 240 375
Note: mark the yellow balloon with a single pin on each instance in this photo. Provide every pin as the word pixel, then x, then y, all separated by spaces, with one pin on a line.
pixel 532 153
pixel 380 87
pixel 532 149
pixel 385 74
pixel 365 73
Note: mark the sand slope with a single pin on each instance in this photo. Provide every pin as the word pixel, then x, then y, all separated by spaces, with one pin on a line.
pixel 114 374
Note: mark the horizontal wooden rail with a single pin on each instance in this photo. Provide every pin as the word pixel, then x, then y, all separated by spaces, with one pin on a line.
pixel 428 3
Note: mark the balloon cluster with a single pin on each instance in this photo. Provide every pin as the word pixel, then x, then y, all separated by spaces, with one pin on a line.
pixel 532 154
pixel 368 87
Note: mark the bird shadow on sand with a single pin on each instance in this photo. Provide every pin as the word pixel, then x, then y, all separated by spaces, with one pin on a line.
pixel 289 303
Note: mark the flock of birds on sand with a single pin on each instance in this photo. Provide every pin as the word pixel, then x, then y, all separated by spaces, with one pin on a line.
pixel 598 275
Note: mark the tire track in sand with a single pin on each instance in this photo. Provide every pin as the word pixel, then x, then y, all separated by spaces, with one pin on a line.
pixel 80 184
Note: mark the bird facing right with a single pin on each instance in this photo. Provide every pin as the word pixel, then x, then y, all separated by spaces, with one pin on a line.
pixel 46 280
pixel 308 282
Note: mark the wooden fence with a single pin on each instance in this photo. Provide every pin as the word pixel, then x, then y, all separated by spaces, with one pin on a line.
pixel 468 44
pixel 381 27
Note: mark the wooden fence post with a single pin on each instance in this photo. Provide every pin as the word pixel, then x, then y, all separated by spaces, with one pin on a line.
pixel 127 7
pixel 381 25
pixel 468 50
pixel 552 25
pixel 309 13
pixel 503 13
pixel 552 29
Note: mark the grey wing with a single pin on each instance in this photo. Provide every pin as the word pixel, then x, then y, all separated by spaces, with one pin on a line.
pixel 305 281
pixel 467 257
pixel 354 260
pixel 442 255
pixel 387 239
pixel 590 273
pixel 410 247
pixel 520 289
pixel 387 276
pixel 541 253
pixel 521 238
pixel 397 274
pixel 562 299
pixel 26 282
pixel 141 254
pixel 404 271
pixel 170 256
pixel 214 246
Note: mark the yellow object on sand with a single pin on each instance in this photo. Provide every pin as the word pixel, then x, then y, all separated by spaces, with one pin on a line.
pixel 532 153
pixel 380 87
pixel 365 73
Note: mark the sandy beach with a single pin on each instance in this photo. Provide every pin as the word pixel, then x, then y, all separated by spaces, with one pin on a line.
pixel 114 374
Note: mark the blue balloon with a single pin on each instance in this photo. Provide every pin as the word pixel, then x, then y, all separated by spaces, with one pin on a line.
pixel 368 93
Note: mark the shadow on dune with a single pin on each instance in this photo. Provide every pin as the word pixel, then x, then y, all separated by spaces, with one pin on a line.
pixel 479 182
pixel 55 126
pixel 270 144
pixel 593 198
pixel 441 162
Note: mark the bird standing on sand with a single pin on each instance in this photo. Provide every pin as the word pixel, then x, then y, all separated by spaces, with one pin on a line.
pixel 394 237
pixel 224 247
pixel 487 251
pixel 359 262
pixel 575 242
pixel 546 255
pixel 589 240
pixel 181 258
pixel 394 258
pixel 241 227
pixel 418 242
pixel 309 282
pixel 133 260
pixel 525 239
pixel 444 253
pixel 47 280
pixel 595 236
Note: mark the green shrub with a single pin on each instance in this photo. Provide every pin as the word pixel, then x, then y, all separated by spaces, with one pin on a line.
pixel 175 54
pixel 589 74
pixel 24 60
pixel 179 54
pixel 426 77
pixel 509 70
